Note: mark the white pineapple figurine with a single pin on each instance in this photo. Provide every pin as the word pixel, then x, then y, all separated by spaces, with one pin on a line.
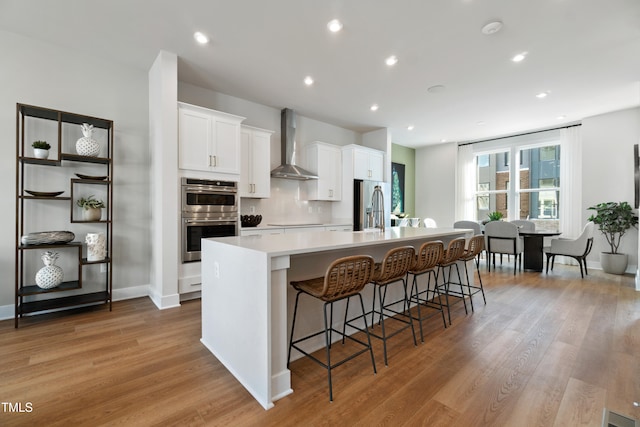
pixel 87 146
pixel 50 275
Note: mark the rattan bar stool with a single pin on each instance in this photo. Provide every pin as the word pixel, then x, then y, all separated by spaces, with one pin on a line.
pixel 450 258
pixel 472 253
pixel 345 278
pixel 393 269
pixel 427 259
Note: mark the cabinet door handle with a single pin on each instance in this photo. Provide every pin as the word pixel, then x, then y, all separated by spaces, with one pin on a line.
pixel 330 193
pixel 210 161
pixel 215 161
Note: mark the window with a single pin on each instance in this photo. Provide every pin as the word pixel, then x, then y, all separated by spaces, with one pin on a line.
pixel 492 176
pixel 540 183
pixel 535 174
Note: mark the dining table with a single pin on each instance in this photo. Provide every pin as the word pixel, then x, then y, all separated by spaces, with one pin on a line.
pixel 533 244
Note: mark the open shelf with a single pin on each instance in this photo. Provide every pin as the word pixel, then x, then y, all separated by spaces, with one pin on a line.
pixel 71 301
pixel 61 129
pixel 36 290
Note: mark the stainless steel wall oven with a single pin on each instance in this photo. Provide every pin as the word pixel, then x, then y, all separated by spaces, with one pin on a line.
pixel 209 209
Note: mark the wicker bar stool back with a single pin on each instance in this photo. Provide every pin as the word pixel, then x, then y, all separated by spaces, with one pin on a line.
pixel 393 269
pixel 345 278
pixel 427 259
pixel 450 258
pixel 474 248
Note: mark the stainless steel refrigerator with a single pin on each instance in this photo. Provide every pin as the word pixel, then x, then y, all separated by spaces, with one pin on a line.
pixel 362 203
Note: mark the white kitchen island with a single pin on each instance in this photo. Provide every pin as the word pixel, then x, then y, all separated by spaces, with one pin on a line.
pixel 245 303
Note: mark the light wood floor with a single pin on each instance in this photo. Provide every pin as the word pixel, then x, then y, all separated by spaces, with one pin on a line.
pixel 545 350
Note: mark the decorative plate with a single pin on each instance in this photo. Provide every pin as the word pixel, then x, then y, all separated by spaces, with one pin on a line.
pixel 44 193
pixel 96 178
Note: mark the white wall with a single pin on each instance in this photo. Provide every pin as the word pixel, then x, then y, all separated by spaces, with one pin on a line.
pixel 45 75
pixel 607 172
pixel 436 183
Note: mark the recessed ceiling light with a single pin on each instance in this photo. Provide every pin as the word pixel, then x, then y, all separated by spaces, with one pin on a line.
pixel 480 123
pixel 443 140
pixel 542 95
pixel 410 127
pixel 392 60
pixel 492 27
pixel 374 107
pixel 200 37
pixel 334 25
pixel 308 80
pixel 519 57
pixel 435 89
pixel 561 117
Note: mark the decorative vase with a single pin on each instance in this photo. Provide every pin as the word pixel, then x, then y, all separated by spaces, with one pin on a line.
pixel 96 246
pixel 613 263
pixel 87 146
pixel 50 275
pixel 91 214
pixel 40 153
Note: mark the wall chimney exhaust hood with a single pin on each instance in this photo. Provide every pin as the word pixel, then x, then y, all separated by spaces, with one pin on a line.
pixel 288 168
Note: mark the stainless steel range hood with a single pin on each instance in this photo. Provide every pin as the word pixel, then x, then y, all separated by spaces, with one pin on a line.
pixel 288 168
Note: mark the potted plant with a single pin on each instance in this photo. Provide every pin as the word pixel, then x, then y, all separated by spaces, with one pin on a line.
pixel 91 208
pixel 40 149
pixel 613 219
pixel 493 216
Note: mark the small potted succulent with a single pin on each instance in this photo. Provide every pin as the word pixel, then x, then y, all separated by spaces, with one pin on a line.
pixel 493 216
pixel 91 208
pixel 41 149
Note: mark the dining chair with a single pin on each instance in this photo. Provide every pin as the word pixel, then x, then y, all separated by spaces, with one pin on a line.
pixel 577 249
pixel 429 223
pixel 502 237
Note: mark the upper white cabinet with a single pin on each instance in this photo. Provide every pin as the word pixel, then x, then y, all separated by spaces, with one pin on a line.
pixel 326 161
pixel 367 163
pixel 208 140
pixel 255 167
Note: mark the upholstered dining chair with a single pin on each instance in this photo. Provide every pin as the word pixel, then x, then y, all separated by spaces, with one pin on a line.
pixel 502 237
pixel 429 223
pixel 475 226
pixel 577 249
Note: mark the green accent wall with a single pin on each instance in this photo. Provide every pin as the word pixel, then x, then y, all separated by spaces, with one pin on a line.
pixel 407 157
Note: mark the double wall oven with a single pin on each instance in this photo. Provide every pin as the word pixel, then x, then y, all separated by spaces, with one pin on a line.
pixel 209 209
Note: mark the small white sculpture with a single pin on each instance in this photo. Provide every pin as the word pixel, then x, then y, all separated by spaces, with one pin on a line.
pixel 87 146
pixel 50 275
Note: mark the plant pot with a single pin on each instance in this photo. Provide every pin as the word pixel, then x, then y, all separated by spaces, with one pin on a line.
pixel 40 153
pixel 613 263
pixel 92 214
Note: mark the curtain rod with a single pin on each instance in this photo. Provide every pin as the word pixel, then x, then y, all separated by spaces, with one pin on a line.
pixel 520 134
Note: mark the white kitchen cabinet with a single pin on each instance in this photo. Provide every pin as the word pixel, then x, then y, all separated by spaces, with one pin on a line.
pixel 208 140
pixel 255 166
pixel 260 231
pixel 326 161
pixel 367 163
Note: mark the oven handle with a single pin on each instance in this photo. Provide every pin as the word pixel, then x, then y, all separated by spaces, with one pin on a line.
pixel 211 190
pixel 199 221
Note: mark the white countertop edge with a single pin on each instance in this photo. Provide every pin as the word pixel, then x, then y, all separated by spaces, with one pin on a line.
pixel 302 243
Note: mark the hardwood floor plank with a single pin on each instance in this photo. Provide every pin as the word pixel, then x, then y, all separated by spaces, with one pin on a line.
pixel 581 405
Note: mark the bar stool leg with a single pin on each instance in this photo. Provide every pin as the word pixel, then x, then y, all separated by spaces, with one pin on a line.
pixel 364 318
pixel 466 271
pixel 327 334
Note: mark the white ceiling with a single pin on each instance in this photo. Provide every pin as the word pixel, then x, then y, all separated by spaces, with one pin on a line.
pixel 585 53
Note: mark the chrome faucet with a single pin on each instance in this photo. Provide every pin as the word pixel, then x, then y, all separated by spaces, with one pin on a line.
pixel 377 208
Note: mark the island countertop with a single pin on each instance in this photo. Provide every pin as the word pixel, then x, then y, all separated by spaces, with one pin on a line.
pixel 301 243
pixel 247 303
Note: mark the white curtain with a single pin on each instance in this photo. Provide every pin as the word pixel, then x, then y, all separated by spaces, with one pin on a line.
pixel 465 184
pixel 571 213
